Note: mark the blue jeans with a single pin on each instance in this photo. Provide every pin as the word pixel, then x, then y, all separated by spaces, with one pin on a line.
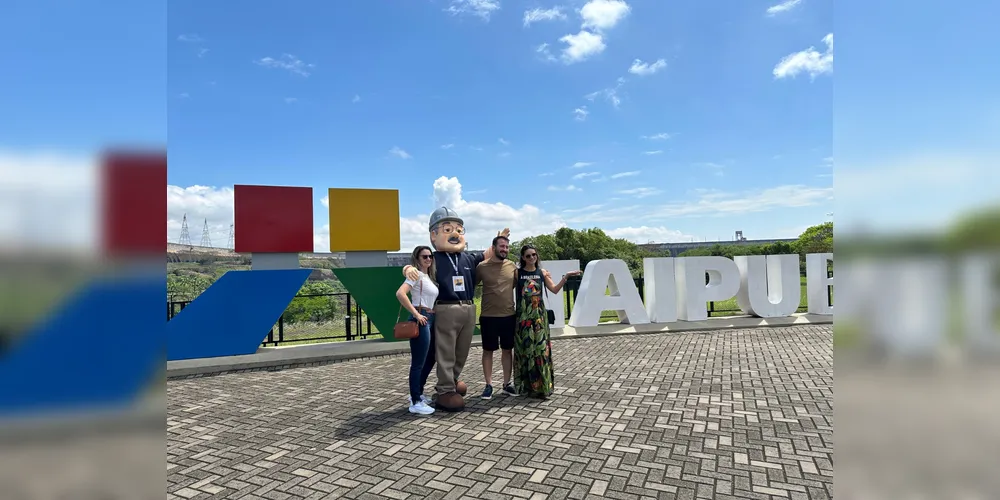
pixel 422 357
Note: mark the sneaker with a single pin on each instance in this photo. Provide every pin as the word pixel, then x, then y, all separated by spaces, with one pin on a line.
pixel 509 389
pixel 421 408
pixel 423 399
pixel 488 392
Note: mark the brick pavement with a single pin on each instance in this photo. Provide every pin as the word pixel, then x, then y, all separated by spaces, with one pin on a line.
pixel 725 414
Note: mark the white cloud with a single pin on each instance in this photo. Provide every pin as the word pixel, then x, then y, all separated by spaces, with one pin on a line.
pixel 544 53
pixel 640 192
pixel 715 168
pixel 447 146
pixel 482 220
pixel 504 154
pixel 785 6
pixel 647 234
pixel 482 9
pixel 564 188
pixel 651 153
pixel 662 136
pixel 325 201
pixel 603 14
pixel 581 46
pixel 202 52
pixel 546 174
pixel 620 175
pixel 584 175
pixel 184 95
pixel 287 62
pixel 809 61
pixel 643 68
pixel 581 113
pixel 537 15
pixel 291 100
pixel 190 38
pixel 503 141
pixel 357 98
pixel 707 203
pixel 581 164
pixel 49 200
pixel 610 93
pixel 399 153
pixel 200 204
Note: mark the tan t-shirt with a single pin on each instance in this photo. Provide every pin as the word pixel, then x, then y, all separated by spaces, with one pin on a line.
pixel 498 287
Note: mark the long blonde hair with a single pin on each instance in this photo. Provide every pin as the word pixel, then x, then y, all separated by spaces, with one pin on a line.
pixel 415 262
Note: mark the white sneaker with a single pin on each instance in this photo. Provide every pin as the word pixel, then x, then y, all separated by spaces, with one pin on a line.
pixel 421 408
pixel 423 399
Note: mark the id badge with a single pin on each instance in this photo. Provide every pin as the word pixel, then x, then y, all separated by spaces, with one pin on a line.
pixel 458 283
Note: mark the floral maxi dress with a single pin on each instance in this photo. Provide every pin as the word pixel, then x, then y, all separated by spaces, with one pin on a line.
pixel 533 374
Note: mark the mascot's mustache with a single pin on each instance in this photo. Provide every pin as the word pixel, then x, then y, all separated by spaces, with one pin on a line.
pixel 454 240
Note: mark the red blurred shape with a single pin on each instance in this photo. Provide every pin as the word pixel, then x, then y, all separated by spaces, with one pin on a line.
pixel 273 219
pixel 134 203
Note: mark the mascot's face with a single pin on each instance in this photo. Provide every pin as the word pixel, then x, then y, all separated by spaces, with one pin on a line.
pixel 448 237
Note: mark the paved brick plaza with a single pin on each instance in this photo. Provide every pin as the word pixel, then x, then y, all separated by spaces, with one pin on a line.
pixel 729 414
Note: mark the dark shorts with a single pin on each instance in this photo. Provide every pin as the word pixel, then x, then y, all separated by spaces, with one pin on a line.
pixel 497 333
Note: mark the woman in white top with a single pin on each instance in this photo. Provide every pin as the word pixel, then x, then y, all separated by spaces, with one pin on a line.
pixel 422 294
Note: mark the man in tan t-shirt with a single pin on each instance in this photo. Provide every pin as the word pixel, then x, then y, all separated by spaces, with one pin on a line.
pixel 496 320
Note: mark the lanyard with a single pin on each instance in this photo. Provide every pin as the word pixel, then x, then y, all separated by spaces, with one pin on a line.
pixel 454 263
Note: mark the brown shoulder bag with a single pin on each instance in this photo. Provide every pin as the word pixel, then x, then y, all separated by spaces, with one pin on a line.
pixel 406 330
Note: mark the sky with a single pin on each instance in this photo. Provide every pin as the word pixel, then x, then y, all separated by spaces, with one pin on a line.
pixel 655 121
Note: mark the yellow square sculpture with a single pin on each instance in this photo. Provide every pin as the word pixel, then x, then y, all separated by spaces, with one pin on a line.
pixel 364 220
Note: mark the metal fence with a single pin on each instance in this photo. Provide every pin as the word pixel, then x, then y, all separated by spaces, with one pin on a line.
pixel 335 317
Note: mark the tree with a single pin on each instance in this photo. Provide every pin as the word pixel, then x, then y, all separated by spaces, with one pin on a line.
pixel 586 245
pixel 816 239
pixel 315 302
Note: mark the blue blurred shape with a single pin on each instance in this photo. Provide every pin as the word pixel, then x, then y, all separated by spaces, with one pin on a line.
pixel 233 315
pixel 101 349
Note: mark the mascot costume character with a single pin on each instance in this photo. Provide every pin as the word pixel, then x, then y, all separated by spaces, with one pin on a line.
pixel 454 312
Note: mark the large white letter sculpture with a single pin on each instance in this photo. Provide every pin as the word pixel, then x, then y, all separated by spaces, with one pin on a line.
pixel 818 283
pixel 980 299
pixel 555 301
pixel 661 300
pixel 769 286
pixel 692 292
pixel 613 275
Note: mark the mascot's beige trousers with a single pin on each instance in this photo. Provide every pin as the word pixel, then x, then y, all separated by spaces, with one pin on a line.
pixel 454 324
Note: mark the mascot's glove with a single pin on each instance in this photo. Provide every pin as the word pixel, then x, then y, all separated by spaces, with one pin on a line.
pixel 411 273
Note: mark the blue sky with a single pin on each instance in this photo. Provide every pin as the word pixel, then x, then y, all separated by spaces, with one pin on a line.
pixel 357 95
pixel 697 139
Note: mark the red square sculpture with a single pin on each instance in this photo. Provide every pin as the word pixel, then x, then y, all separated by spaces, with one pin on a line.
pixel 134 203
pixel 273 219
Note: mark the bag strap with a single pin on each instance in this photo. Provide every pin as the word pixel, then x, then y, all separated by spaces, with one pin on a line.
pixel 420 290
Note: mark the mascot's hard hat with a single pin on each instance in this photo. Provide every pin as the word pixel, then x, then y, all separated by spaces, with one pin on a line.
pixel 444 214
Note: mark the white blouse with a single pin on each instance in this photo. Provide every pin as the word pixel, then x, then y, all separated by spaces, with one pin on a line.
pixel 423 292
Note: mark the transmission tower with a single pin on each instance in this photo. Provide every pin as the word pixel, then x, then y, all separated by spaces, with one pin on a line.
pixel 185 238
pixel 232 237
pixel 206 239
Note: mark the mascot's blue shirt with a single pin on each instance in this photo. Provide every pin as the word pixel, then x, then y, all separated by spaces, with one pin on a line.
pixel 450 265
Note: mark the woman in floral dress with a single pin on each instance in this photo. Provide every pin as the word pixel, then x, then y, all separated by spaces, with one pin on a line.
pixel 533 373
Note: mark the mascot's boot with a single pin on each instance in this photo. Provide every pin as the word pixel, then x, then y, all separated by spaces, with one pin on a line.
pixel 461 388
pixel 451 402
